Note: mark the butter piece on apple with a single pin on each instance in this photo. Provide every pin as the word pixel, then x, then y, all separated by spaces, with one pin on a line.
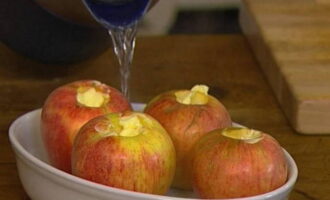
pixel 126 126
pixel 198 95
pixel 247 135
pixel 89 97
pixel 131 126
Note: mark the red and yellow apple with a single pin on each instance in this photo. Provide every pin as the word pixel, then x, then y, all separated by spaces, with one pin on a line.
pixel 69 107
pixel 237 162
pixel 131 151
pixel 187 115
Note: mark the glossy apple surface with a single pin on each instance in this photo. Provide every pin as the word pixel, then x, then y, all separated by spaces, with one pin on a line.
pixel 69 107
pixel 237 162
pixel 131 151
pixel 187 115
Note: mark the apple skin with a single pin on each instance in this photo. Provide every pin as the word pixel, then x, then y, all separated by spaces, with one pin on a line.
pixel 186 124
pixel 62 116
pixel 142 163
pixel 230 168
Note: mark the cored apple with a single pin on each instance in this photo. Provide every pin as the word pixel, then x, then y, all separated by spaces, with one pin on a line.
pixel 187 115
pixel 237 162
pixel 69 107
pixel 131 151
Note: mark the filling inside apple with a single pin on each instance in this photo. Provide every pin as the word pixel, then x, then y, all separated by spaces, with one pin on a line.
pixel 90 97
pixel 247 135
pixel 131 126
pixel 198 95
pixel 126 126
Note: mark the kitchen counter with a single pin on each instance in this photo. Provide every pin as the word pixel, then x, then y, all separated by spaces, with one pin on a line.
pixel 224 62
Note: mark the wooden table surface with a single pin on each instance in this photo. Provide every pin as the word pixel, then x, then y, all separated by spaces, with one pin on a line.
pixel 224 62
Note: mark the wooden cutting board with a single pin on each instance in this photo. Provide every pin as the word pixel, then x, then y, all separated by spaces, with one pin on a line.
pixel 291 40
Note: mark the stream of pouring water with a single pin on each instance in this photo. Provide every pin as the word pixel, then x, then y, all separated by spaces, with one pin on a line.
pixel 120 17
pixel 123 40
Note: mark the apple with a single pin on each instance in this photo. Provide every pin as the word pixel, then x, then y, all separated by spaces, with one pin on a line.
pixel 187 115
pixel 237 162
pixel 69 107
pixel 131 151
